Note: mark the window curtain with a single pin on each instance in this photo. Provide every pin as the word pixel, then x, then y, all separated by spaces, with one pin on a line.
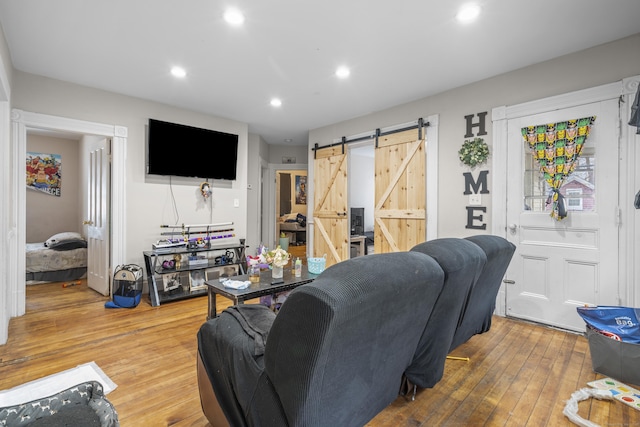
pixel 556 148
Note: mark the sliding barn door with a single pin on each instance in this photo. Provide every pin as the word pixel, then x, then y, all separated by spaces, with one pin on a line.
pixel 331 228
pixel 400 191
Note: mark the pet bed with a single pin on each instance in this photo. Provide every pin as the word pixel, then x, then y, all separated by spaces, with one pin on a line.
pixel 83 404
pixel 62 257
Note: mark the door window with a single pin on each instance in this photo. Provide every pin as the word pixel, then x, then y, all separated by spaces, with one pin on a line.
pixel 579 189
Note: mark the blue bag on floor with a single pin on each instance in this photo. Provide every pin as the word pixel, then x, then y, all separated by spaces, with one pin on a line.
pixel 127 281
pixel 621 323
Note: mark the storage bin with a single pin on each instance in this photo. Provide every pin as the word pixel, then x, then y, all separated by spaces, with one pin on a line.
pixel 316 265
pixel 616 359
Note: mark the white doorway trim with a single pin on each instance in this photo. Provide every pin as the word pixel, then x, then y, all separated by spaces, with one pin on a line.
pixel 627 243
pixel 23 121
pixel 7 228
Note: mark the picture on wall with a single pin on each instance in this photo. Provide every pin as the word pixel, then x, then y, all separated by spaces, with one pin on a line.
pixel 44 172
pixel 301 190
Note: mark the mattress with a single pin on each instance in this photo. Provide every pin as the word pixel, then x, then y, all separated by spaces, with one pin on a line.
pixel 43 263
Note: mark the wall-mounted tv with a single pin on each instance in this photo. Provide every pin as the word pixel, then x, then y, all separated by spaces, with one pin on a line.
pixel 180 150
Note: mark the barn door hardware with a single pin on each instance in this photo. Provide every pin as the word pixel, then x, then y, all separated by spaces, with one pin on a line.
pixel 418 124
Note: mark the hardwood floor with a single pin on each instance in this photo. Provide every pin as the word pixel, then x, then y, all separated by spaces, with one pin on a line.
pixel 519 374
pixel 298 251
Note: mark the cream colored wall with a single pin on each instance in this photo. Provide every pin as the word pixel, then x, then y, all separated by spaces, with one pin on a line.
pixel 5 61
pixel 47 214
pixel 150 202
pixel 277 152
pixel 599 65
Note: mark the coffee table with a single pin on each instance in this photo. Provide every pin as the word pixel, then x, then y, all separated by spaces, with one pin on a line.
pixel 256 289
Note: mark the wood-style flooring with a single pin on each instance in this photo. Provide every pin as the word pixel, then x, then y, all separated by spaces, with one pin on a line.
pixel 519 374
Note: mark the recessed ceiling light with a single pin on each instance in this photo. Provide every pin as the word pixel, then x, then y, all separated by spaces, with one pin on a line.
pixel 288 140
pixel 468 12
pixel 275 102
pixel 178 72
pixel 233 16
pixel 343 72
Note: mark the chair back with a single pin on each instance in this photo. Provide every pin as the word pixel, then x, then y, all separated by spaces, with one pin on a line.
pixel 462 261
pixel 482 300
pixel 338 347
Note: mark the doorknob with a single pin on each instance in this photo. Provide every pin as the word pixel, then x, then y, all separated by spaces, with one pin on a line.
pixel 509 282
pixel 86 222
pixel 513 227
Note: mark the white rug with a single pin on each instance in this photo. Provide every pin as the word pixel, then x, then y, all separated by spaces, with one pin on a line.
pixel 55 383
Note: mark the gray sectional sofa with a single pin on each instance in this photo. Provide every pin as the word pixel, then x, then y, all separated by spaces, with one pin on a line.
pixel 341 347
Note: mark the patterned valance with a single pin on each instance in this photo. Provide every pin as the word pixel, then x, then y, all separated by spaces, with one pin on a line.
pixel 556 147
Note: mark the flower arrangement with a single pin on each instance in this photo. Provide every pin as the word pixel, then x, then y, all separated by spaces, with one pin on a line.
pixel 277 257
pixel 474 152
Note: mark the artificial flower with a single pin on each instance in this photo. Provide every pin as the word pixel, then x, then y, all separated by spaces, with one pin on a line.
pixel 473 153
pixel 277 257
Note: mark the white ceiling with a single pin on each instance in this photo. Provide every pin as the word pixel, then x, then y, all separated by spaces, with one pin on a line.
pixel 398 51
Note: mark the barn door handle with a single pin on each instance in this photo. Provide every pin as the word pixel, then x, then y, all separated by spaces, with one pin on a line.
pixel 342 213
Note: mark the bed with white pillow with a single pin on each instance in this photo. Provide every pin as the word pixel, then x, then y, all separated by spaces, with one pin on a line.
pixel 62 257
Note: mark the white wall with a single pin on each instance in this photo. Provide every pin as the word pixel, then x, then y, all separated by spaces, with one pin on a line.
pixel 277 152
pixel 150 201
pixel 592 67
pixel 361 183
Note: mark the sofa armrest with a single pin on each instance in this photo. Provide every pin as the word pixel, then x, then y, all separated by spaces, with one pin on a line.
pixel 231 348
pixel 210 406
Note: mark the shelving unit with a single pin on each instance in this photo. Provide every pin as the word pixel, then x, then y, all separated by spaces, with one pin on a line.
pixel 171 277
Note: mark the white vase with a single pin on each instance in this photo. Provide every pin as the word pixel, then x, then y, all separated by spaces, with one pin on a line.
pixel 277 272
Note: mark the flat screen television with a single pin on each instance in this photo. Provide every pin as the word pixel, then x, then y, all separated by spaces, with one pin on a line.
pixel 179 150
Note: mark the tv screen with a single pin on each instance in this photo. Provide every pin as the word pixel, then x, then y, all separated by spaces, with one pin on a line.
pixel 180 150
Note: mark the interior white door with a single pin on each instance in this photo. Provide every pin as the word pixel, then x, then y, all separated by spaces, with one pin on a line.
pixel 560 265
pixel 97 223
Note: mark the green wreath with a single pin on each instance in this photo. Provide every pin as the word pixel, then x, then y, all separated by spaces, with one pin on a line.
pixel 474 152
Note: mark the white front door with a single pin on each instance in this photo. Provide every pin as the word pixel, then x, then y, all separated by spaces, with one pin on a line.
pixel 560 265
pixel 97 223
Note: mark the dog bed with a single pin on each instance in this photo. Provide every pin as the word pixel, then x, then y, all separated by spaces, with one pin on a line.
pixel 83 404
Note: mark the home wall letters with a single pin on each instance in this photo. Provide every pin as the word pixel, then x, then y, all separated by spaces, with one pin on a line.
pixel 475 217
pixel 480 125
